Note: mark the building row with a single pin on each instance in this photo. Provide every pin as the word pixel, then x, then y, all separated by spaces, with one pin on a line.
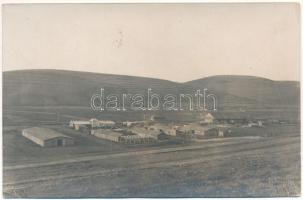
pixel 92 123
pixel 127 138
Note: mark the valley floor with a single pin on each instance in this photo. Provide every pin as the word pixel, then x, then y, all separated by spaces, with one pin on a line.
pixel 246 167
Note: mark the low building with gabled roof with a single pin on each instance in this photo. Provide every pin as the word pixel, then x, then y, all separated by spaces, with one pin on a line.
pixel 47 138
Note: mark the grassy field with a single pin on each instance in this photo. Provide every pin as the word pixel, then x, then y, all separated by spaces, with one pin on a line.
pixel 34 115
pixel 263 167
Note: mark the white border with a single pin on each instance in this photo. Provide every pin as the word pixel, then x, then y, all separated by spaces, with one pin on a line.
pixel 156 1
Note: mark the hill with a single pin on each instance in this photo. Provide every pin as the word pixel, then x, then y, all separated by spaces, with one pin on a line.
pixel 70 88
pixel 261 91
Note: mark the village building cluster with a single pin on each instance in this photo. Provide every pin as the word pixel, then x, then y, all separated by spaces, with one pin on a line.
pixel 156 128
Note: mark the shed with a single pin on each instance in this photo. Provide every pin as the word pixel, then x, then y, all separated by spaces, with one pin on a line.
pixel 78 124
pixel 47 138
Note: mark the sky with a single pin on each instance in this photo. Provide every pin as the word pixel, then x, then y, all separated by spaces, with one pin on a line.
pixel 177 42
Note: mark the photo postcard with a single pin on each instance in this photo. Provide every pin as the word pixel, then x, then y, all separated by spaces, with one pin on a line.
pixel 151 100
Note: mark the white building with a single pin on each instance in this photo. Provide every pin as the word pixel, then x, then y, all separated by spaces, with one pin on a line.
pixel 93 123
pixel 206 118
pixel 77 124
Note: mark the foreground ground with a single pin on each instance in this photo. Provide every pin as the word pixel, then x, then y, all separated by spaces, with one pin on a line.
pixel 232 167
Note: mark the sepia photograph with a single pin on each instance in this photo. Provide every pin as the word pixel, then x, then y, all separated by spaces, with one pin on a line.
pixel 151 100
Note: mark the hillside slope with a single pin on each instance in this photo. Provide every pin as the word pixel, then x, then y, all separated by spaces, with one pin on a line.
pixel 57 87
pixel 70 88
pixel 263 91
